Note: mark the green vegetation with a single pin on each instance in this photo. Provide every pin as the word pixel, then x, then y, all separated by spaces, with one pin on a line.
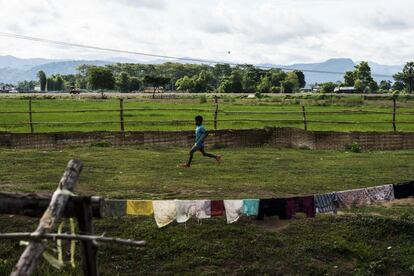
pixel 159 119
pixel 347 244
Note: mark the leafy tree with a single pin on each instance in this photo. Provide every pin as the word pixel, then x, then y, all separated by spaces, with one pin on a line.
pixel 124 82
pixel 290 84
pixel 26 86
pixel 407 76
pixel 398 86
pixel 50 84
pixel 185 84
pixel 362 73
pixel 204 81
pixel 328 87
pixel 250 77
pixel 277 76
pixel 349 79
pixel 385 85
pixel 301 78
pixel 232 84
pixel 135 84
pixel 265 85
pixel 42 80
pixel 59 83
pixel 100 77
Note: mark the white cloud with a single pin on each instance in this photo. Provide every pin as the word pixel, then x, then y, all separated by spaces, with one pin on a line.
pixel 261 31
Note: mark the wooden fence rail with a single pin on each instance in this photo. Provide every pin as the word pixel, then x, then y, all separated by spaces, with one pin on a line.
pixel 215 114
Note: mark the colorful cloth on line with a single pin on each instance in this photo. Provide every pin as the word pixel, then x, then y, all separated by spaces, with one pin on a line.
pixel 300 204
pixel 404 190
pixel 325 203
pixel 139 207
pixel 186 209
pixel 234 209
pixel 251 207
pixel 353 198
pixel 114 208
pixel 272 207
pixel 217 208
pixel 164 212
pixel 381 193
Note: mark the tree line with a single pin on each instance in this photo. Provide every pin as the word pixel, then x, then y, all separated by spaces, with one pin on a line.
pixel 194 78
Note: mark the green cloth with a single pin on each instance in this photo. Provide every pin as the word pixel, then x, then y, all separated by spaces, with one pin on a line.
pixel 251 207
pixel 200 135
pixel 114 208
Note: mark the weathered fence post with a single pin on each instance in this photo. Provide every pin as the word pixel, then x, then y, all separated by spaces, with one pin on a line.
pixel 215 111
pixel 394 103
pixel 31 255
pixel 121 113
pixel 83 209
pixel 305 123
pixel 30 116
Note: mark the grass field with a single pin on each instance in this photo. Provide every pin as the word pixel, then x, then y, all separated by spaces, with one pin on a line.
pixel 368 241
pixel 154 112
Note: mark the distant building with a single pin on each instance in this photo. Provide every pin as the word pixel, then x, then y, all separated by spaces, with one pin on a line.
pixel 37 88
pixel 345 89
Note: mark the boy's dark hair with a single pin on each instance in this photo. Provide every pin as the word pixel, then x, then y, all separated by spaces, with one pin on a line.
pixel 199 119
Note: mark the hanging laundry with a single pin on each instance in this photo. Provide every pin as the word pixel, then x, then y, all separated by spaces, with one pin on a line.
pixel 164 212
pixel 186 209
pixel 326 203
pixel 353 198
pixel 381 193
pixel 234 209
pixel 217 208
pixel 139 207
pixel 404 190
pixel 300 204
pixel 250 207
pixel 113 208
pixel 272 207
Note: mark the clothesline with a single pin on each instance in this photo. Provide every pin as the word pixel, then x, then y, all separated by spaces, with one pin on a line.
pixel 168 211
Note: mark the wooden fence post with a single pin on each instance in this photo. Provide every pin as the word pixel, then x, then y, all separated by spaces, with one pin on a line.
pixel 394 103
pixel 31 255
pixel 30 116
pixel 215 111
pixel 83 209
pixel 305 123
pixel 121 113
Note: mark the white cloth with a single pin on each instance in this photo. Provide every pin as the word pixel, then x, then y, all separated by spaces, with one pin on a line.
pixel 381 193
pixel 164 212
pixel 186 209
pixel 234 209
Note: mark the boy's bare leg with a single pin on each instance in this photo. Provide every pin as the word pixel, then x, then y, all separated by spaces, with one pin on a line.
pixel 190 158
pixel 217 157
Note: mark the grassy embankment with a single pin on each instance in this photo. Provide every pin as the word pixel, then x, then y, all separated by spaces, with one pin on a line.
pixel 226 104
pixel 378 241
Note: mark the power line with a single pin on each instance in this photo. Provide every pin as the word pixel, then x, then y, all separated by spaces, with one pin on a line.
pixel 91 47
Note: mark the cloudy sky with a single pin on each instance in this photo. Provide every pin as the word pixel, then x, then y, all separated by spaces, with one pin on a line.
pixel 260 31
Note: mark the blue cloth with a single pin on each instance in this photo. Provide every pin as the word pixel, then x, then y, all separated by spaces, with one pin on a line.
pixel 200 135
pixel 251 207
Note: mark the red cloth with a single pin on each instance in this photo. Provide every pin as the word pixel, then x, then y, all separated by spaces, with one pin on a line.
pixel 302 204
pixel 217 208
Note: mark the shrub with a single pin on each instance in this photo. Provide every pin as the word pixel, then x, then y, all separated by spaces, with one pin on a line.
pixel 102 144
pixel 354 147
pixel 203 99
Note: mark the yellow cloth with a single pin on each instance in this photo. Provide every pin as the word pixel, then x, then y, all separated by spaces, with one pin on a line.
pixel 139 207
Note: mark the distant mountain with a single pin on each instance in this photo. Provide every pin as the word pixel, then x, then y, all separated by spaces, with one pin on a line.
pixel 337 67
pixel 21 63
pixel 13 70
pixel 14 75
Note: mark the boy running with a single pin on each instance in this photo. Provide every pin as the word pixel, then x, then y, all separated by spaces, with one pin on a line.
pixel 200 135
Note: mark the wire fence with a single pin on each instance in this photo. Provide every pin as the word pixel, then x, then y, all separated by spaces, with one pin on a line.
pixel 215 111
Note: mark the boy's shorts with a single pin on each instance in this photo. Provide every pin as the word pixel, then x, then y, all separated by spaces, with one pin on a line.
pixel 197 147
